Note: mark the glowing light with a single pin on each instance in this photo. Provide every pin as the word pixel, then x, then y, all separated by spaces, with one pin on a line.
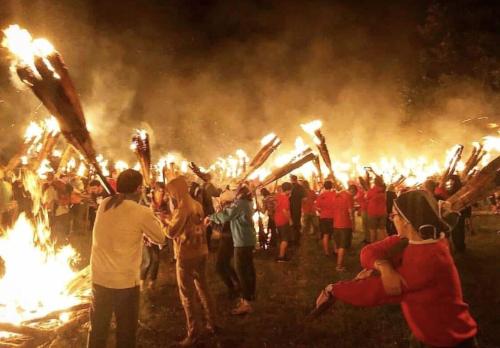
pixel 311 127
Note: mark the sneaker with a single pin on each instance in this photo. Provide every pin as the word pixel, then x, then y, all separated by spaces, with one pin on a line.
pixel 243 307
pixel 282 259
pixel 189 341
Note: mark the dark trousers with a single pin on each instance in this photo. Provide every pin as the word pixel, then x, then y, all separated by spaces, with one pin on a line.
pixel 124 303
pixel 209 236
pixel 296 226
pixel 223 264
pixel 150 262
pixel 243 262
pixel 458 235
pixel 272 232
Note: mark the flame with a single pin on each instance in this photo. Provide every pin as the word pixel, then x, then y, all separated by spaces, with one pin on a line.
pixel 491 143
pixel 51 125
pixel 24 49
pixel 120 165
pixel 33 132
pixel 311 127
pixel 267 139
pixel 103 163
pixel 36 274
pixel 82 169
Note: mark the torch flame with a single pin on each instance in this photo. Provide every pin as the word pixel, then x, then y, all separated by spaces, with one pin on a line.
pixel 311 127
pixel 267 139
pixel 33 132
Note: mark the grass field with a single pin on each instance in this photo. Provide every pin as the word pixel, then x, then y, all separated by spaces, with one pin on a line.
pixel 285 293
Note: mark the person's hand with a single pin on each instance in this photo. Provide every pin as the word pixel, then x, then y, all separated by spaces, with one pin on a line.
pixel 365 273
pixel 206 221
pixel 391 279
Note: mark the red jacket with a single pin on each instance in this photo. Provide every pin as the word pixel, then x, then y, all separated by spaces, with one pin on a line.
pixel 376 206
pixel 325 204
pixel 432 302
pixel 343 208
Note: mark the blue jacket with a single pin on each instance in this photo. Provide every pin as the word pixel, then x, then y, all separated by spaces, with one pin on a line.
pixel 239 214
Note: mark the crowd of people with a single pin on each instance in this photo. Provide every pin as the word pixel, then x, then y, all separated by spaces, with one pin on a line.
pixel 131 228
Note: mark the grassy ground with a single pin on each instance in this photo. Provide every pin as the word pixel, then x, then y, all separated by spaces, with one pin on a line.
pixel 285 293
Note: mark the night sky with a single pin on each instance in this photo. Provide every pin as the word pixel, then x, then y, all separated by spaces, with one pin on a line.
pixel 207 77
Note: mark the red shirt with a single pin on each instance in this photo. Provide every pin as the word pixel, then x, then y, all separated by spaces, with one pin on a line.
pixel 308 206
pixel 361 200
pixel 282 212
pixel 376 202
pixel 432 302
pixel 325 204
pixel 342 212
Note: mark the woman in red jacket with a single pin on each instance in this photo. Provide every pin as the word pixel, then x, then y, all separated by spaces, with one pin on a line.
pixel 416 270
pixel 377 209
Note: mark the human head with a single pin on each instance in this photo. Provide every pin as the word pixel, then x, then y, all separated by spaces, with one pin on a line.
pixel 328 185
pixel 305 184
pixel 244 193
pixel 353 189
pixel 293 179
pixel 417 212
pixel 129 181
pixel 430 186
pixel 264 192
pixel 454 184
pixel 286 187
pixel 95 186
pixel 379 181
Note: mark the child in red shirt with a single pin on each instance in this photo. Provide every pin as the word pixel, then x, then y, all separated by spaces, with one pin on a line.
pixel 325 205
pixel 376 209
pixel 282 220
pixel 342 224
pixel 416 270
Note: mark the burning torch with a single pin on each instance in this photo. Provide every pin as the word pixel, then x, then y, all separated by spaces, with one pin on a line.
pixel 269 144
pixel 140 145
pixel 314 129
pixel 42 68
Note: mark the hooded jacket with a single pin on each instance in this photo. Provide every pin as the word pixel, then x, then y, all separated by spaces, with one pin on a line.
pixel 186 226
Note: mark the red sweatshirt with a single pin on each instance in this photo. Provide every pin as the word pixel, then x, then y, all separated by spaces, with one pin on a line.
pixel 432 301
pixel 376 205
pixel 282 210
pixel 325 203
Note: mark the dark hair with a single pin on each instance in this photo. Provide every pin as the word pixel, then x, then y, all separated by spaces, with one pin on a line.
pixel 430 185
pixel 264 192
pixel 328 185
pixel 353 189
pixel 293 178
pixel 94 183
pixel 286 186
pixel 244 193
pixel 456 184
pixel 128 181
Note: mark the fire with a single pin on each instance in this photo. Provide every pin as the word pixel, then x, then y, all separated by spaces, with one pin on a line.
pixel 51 125
pixel 36 274
pixel 33 132
pixel 103 163
pixel 24 48
pixel 267 139
pixel 491 143
pixel 312 127
pixel 121 165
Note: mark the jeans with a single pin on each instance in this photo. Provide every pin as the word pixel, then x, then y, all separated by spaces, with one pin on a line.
pixel 223 264
pixel 150 261
pixel 124 303
pixel 243 262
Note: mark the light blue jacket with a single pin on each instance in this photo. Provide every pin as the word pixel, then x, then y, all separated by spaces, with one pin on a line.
pixel 239 214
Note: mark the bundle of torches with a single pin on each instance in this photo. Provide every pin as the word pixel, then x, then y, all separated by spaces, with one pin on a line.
pixel 25 297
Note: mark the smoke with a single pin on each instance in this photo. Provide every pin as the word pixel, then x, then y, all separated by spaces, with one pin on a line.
pixel 208 79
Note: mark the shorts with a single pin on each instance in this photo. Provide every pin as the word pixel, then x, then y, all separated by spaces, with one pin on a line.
pixel 284 233
pixel 376 222
pixel 342 237
pixel 326 227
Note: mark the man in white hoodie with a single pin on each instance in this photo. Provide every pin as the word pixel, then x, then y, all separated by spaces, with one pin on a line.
pixel 116 258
